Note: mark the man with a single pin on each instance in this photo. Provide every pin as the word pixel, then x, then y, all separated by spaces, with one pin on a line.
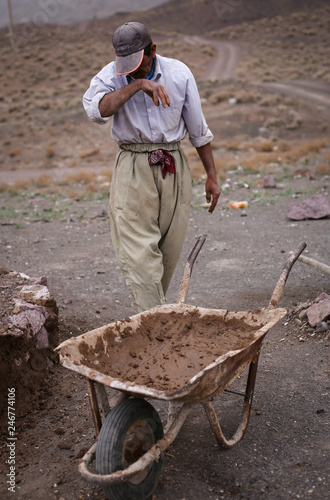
pixel 154 102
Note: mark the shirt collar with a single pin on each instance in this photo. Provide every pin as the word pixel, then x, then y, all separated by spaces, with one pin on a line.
pixel 152 72
pixel 158 71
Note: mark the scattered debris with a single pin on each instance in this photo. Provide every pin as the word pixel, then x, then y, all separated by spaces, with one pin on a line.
pixel 319 311
pixel 238 204
pixel 313 317
pixel 315 207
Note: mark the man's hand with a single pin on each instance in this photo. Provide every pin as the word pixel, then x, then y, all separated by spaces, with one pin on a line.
pixel 212 193
pixel 156 92
pixel 211 186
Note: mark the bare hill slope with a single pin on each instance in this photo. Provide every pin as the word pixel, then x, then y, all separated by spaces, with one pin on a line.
pixel 203 16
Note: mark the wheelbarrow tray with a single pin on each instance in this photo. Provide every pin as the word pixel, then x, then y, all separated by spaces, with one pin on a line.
pixel 175 352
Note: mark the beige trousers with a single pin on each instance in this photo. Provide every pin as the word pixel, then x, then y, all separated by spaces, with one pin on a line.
pixel 149 217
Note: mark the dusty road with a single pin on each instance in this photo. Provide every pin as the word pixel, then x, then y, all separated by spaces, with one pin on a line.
pixel 315 92
pixel 227 58
pixel 223 65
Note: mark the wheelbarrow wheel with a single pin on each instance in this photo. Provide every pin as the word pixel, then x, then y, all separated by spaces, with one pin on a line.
pixel 127 433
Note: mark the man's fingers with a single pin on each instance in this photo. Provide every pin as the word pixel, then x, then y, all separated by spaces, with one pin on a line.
pixel 213 205
pixel 157 93
pixel 155 98
pixel 165 100
pixel 214 196
pixel 161 94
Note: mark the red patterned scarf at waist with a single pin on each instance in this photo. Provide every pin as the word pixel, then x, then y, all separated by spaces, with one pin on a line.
pixel 163 158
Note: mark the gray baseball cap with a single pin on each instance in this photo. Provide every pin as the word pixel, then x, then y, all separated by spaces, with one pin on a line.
pixel 129 41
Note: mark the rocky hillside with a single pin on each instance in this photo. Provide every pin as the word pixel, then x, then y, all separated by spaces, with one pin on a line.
pixel 45 133
pixel 203 16
pixel 185 16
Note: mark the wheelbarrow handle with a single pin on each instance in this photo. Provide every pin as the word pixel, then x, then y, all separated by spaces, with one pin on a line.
pixel 183 292
pixel 277 293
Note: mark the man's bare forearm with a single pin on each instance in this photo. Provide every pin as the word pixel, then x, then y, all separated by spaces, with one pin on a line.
pixel 206 156
pixel 112 102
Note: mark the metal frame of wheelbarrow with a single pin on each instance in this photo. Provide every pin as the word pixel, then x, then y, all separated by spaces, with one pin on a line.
pixel 176 418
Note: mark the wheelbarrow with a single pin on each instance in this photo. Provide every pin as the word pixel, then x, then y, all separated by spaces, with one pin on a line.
pixel 177 353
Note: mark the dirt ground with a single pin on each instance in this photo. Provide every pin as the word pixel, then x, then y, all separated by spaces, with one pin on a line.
pixel 285 451
pixel 56 225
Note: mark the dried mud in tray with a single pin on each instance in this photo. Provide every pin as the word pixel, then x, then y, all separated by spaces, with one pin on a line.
pixel 167 349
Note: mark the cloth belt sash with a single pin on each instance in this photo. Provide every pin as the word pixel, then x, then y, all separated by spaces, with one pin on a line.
pixel 158 155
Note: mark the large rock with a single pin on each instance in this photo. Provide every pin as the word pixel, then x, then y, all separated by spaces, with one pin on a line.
pixel 315 207
pixel 319 311
pixel 28 336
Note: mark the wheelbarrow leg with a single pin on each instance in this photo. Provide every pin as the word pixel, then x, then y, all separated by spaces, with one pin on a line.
pixel 213 419
pixel 94 405
pixel 103 399
pixel 171 415
pixel 99 402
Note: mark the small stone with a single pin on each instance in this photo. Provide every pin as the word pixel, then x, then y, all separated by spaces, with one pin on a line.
pixel 65 445
pixel 321 327
pixel 269 182
pixel 3 271
pixel 322 296
pixel 59 431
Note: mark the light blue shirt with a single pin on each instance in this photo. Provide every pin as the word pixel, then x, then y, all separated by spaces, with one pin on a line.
pixel 139 120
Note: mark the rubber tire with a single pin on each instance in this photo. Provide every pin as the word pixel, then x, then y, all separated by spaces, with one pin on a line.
pixel 109 451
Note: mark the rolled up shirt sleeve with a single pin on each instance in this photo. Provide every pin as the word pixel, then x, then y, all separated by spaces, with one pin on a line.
pixel 92 97
pixel 199 133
